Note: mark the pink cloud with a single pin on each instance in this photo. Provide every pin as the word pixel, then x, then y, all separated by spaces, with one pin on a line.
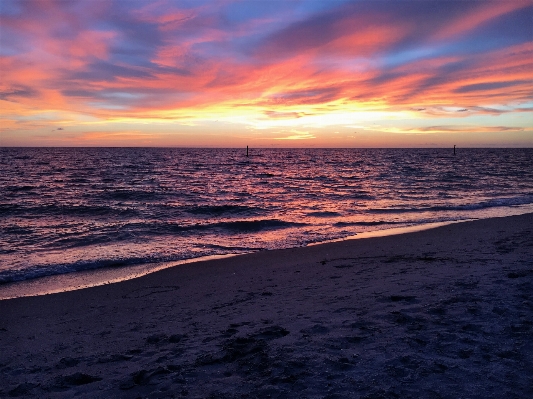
pixel 481 14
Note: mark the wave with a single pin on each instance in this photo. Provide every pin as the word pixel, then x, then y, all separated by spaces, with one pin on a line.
pixel 222 209
pixel 232 248
pixel 371 223
pixel 266 175
pixel 236 226
pixel 323 214
pixel 38 271
pixel 17 230
pixel 44 270
pixel 245 226
pixel 66 210
pixel 16 189
pixel 361 196
pixel 123 232
pixel 492 203
pixel 132 195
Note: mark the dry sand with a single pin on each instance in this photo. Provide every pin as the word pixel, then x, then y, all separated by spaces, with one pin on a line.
pixel 443 313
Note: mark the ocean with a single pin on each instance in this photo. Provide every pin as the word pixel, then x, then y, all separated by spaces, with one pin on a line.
pixel 65 211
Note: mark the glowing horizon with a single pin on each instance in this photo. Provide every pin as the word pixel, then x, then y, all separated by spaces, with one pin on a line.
pixel 266 74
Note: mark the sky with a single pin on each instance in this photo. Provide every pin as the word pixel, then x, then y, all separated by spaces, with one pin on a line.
pixel 224 73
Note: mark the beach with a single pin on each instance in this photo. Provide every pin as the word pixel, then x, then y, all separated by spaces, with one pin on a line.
pixel 441 313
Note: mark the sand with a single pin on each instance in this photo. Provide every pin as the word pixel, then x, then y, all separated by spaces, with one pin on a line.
pixel 442 313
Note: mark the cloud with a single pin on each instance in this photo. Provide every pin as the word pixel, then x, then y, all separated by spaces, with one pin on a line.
pixel 12 94
pixel 457 129
pixel 283 115
pixel 296 135
pixel 490 86
pixel 265 65
pixel 316 95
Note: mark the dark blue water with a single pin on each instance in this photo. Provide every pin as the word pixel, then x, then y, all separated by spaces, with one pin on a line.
pixel 64 210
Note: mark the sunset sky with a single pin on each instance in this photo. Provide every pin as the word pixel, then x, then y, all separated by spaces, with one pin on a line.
pixel 266 73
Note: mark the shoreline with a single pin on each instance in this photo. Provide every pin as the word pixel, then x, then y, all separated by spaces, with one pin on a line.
pixel 84 279
pixel 73 281
pixel 444 312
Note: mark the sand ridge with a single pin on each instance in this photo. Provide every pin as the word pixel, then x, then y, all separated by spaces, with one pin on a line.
pixel 443 313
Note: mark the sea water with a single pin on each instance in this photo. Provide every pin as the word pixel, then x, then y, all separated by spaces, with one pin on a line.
pixel 71 210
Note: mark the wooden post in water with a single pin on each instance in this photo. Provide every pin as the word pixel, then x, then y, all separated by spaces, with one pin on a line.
pixel 246 150
pixel 454 149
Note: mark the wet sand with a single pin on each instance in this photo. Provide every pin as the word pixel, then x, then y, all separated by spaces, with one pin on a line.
pixel 442 313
